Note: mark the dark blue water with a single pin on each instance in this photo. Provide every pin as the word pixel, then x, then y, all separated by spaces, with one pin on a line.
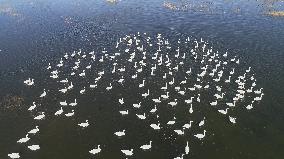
pixel 34 33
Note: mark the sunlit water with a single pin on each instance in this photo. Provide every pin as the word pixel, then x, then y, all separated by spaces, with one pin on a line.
pixel 41 32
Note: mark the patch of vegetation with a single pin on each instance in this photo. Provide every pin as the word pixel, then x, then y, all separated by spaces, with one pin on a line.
pixel 276 13
pixel 10 102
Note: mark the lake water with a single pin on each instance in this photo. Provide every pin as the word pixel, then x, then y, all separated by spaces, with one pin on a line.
pixel 35 33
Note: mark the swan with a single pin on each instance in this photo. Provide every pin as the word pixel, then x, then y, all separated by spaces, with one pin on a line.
pixel 165 96
pixel 157 100
pixel 141 116
pixel 70 114
pixel 142 84
pixel 64 81
pixel 63 90
pixel 34 147
pixel 174 103
pixel 232 120
pixel 59 112
pixel 27 81
pixel 48 67
pixel 219 96
pixel 187 126
pixel 191 109
pixel 32 107
pixel 83 91
pixel 223 111
pixel 189 101
pixel 137 105
pixel 34 131
pixel 121 101
pixel 146 146
pixel 231 104
pixel 154 109
pixel 258 91
pixel 31 83
pixel 200 136
pixel 96 150
pixel 171 122
pixel 165 87
pixel 73 104
pixel 63 103
pixel 109 87
pixel 14 155
pixel 249 106
pixel 85 124
pixel 146 94
pixel 70 86
pixel 186 148
pixel 43 94
pixel 155 126
pixel 179 132
pixel 40 117
pixel 124 112
pixel 120 133
pixel 24 140
pixel 214 103
pixel 127 152
pixel 202 122
pixel 179 157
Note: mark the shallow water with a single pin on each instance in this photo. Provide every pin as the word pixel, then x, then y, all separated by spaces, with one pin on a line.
pixel 34 33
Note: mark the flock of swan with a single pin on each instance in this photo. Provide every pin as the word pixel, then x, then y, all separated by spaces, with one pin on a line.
pixel 188 75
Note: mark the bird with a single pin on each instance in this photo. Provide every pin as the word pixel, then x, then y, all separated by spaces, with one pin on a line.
pixel 40 117
pixel 34 131
pixel 96 150
pixel 120 133
pixel 231 104
pixel 191 109
pixel 70 114
pixel 186 148
pixel 141 116
pixel 223 111
pixel 154 109
pixel 146 146
pixel 155 126
pixel 59 112
pixel 63 103
pixel 200 136
pixel 73 103
pixel 34 147
pixel 171 122
pixel 85 124
pixel 123 112
pixel 127 152
pixel 14 155
pixel 24 140
pixel 137 105
pixel 187 126
pixel 202 122
pixel 32 107
pixel 179 132
pixel 121 101
pixel 179 157
pixel 43 94
pixel 232 120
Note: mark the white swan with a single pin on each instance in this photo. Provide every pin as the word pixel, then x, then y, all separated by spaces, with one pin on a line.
pixel 146 146
pixel 96 150
pixel 34 147
pixel 120 133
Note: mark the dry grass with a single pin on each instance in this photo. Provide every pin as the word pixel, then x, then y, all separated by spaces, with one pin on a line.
pixel 276 13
